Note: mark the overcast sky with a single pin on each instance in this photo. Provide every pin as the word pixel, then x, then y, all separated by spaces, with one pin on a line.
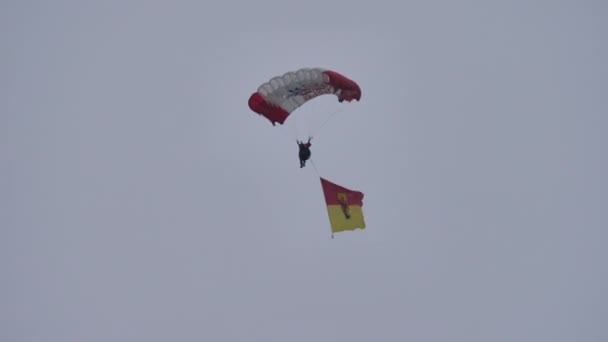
pixel 141 199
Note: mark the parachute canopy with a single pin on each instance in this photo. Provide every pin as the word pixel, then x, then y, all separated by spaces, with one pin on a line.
pixel 279 97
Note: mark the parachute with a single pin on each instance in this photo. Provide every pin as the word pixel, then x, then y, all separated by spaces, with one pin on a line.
pixel 278 98
pixel 282 95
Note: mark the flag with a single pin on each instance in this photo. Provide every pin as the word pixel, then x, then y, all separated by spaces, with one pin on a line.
pixel 344 207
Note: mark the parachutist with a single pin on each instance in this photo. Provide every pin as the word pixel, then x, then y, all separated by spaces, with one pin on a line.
pixel 304 152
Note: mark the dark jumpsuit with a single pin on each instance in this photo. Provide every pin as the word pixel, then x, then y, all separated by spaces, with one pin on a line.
pixel 304 153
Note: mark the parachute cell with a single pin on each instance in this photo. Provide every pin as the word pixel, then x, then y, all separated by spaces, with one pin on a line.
pixel 281 95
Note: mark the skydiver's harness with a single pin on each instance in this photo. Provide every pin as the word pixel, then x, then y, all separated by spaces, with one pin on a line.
pixel 304 151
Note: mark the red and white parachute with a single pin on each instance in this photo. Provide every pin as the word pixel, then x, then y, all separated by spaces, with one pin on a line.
pixel 281 95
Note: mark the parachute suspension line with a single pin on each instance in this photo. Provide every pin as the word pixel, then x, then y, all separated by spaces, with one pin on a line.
pixel 315 167
pixel 326 121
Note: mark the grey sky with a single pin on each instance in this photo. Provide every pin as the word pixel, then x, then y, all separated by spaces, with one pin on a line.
pixel 141 199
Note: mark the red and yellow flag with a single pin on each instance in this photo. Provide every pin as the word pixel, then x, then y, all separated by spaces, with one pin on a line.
pixel 344 207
